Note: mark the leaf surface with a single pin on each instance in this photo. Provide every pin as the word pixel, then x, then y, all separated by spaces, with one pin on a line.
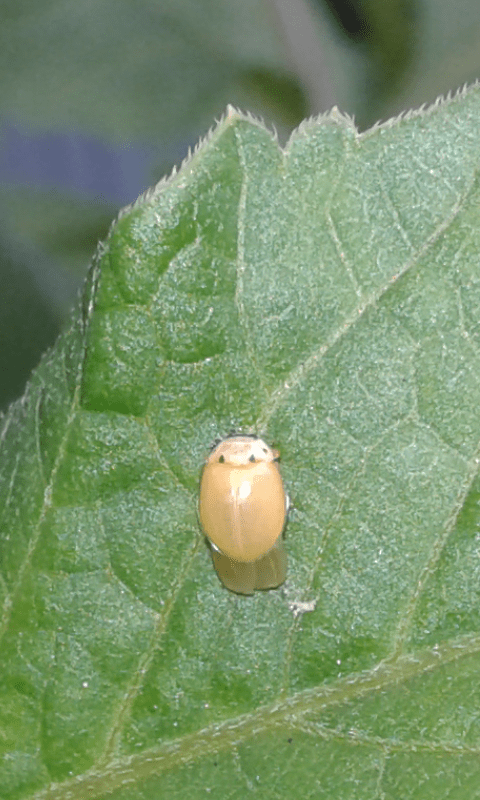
pixel 326 297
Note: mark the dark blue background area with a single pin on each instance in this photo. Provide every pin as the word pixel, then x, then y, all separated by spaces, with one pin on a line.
pixel 74 162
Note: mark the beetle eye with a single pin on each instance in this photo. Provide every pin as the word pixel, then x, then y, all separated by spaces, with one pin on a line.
pixel 252 459
pixel 221 460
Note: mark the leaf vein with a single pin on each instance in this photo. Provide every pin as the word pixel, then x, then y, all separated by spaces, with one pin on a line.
pixel 299 373
pixel 221 737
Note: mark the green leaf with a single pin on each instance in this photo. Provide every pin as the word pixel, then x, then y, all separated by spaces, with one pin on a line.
pixel 328 297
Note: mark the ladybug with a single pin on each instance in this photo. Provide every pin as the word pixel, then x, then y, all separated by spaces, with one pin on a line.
pixel 243 508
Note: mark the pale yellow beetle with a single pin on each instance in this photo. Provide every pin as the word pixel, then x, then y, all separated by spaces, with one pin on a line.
pixel 243 507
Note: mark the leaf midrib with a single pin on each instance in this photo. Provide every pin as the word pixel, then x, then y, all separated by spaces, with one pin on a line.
pixel 289 713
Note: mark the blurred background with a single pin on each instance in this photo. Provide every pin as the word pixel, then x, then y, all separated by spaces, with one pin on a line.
pixel 100 98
